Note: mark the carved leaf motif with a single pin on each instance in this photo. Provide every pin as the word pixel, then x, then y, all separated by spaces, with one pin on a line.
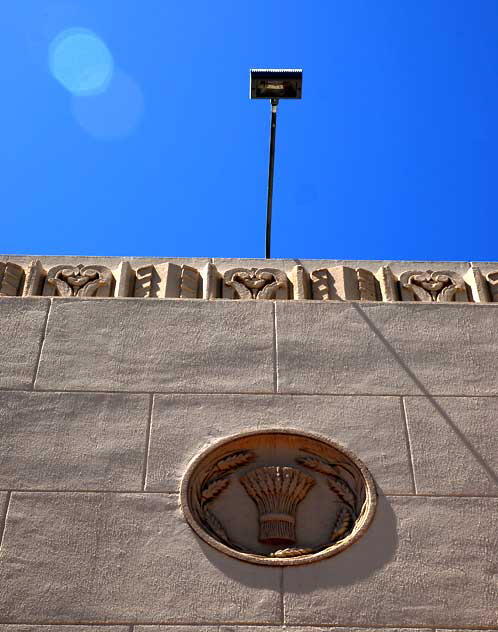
pixel 324 467
pixel 91 288
pixel 342 489
pixel 447 294
pixel 234 461
pixel 317 465
pixel 214 489
pixel 62 287
pixel 241 290
pixel 215 525
pixel 342 526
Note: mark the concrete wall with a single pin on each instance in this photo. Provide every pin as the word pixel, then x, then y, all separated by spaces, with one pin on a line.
pixel 104 401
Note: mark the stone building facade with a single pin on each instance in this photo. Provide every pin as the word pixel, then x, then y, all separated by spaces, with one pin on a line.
pixel 116 373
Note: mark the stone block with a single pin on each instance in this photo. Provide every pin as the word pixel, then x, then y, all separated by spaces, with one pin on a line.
pixel 347 348
pixel 462 455
pixel 236 628
pixel 158 345
pixel 22 323
pixel 72 440
pixel 65 628
pixel 424 562
pixel 122 558
pixel 372 427
pixel 175 628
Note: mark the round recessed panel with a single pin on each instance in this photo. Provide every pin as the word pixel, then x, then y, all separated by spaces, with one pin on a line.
pixel 278 497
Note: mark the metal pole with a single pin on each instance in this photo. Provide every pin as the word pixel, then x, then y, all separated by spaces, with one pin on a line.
pixel 271 165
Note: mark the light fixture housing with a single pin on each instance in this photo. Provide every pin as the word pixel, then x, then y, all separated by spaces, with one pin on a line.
pixel 276 83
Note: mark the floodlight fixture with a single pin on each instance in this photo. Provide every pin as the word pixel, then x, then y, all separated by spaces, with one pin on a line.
pixel 274 84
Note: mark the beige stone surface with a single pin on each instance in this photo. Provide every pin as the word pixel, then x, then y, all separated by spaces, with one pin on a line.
pixel 111 262
pixel 387 349
pixel 454 444
pixel 158 345
pixel 72 440
pixel 3 509
pixel 65 628
pixel 175 628
pixel 236 628
pixel 22 323
pixel 122 558
pixel 372 427
pixel 424 562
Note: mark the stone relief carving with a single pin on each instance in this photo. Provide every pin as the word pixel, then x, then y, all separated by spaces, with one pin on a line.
pixel 190 282
pixel 277 491
pixel 253 283
pixel 278 497
pixel 11 277
pixel 81 281
pixel 440 286
pixel 477 285
pixel 341 283
pixel 163 279
pixel 388 284
pixel 367 285
pixel 301 283
pixel 167 280
pixel 493 286
pixel 35 278
pixel 147 282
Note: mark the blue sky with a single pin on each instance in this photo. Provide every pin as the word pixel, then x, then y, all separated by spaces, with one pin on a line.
pixel 391 154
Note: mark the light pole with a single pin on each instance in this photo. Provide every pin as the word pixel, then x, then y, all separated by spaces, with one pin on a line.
pixel 274 84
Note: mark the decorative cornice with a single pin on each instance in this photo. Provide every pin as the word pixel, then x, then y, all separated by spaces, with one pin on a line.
pixel 280 279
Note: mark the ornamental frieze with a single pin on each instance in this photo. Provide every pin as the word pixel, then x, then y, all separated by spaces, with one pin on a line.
pixel 224 279
pixel 278 497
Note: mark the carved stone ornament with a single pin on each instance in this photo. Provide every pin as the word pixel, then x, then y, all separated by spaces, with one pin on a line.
pixel 429 286
pixel 251 283
pixel 278 497
pixel 82 281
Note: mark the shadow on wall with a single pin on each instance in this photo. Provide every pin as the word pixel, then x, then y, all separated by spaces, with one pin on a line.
pixel 476 455
pixel 362 559
pixel 490 472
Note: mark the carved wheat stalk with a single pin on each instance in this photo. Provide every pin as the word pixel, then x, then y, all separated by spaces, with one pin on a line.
pixel 343 490
pixel 342 526
pixel 214 489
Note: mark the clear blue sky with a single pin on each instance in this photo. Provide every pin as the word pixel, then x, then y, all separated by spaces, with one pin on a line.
pixel 391 154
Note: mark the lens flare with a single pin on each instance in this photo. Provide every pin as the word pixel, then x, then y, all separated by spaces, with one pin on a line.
pixel 81 61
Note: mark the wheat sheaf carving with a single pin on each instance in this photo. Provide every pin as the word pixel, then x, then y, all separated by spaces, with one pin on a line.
pixel 277 491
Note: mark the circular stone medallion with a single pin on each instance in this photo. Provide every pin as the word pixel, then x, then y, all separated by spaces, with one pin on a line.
pixel 278 497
